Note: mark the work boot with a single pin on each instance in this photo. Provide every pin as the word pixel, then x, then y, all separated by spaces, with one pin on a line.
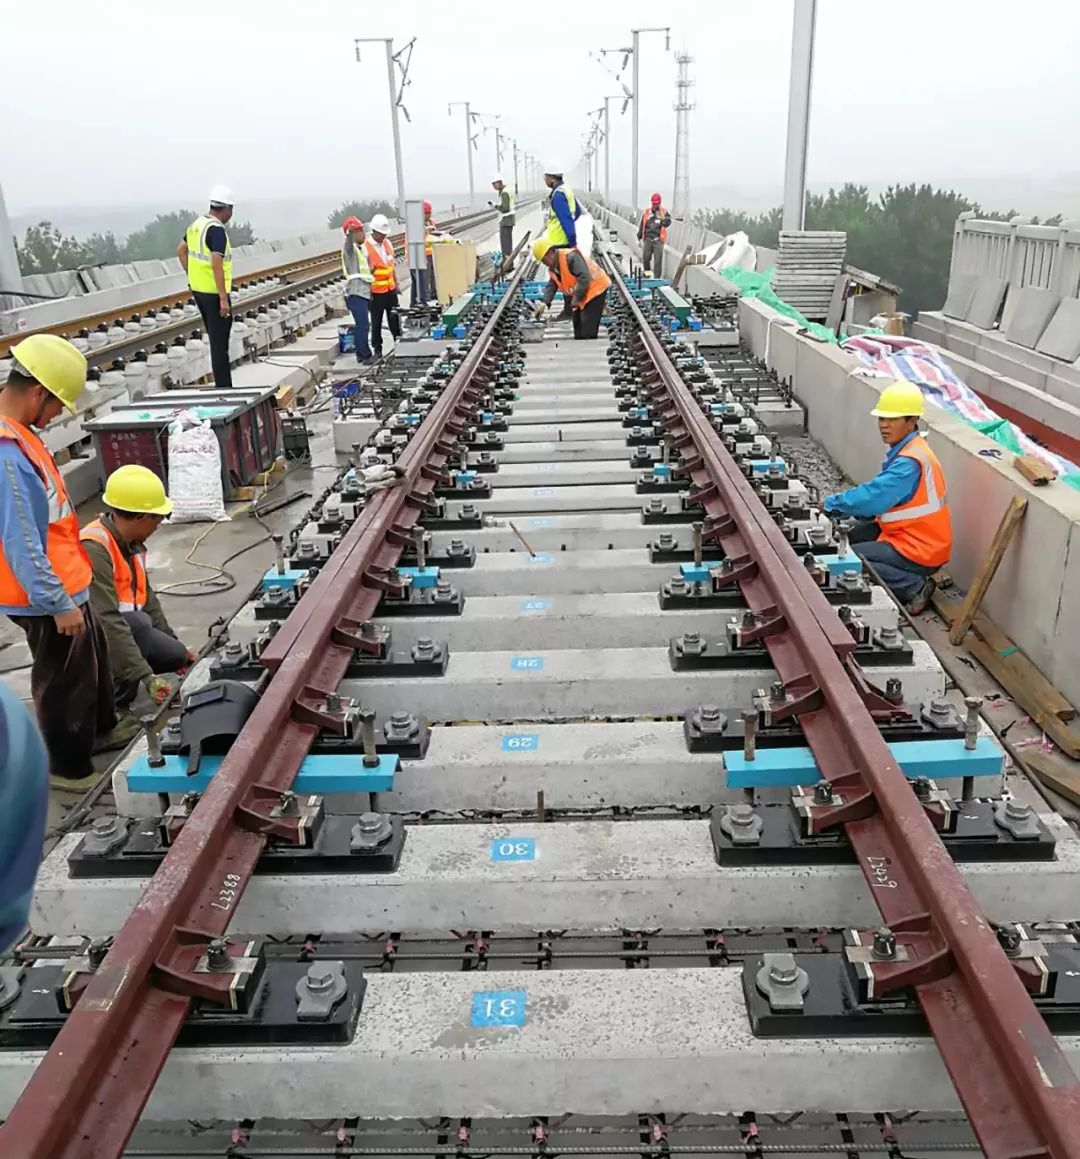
pixel 78 785
pixel 919 604
pixel 119 736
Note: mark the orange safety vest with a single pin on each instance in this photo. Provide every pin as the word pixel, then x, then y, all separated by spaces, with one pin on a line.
pixel 566 281
pixel 130 582
pixel 62 547
pixel 381 260
pixel 920 529
pixel 645 218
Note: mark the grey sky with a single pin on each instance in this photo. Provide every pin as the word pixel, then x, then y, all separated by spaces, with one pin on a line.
pixel 135 100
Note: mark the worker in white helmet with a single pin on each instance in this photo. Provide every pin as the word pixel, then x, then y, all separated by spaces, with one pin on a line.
pixel 506 216
pixel 205 253
pixel 384 287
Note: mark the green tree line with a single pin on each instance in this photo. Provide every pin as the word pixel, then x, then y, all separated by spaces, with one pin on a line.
pixel 365 210
pixel 903 235
pixel 44 249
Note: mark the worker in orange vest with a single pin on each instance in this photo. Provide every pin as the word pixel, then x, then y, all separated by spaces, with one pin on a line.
pixel 142 646
pixel 384 287
pixel 652 233
pixel 44 571
pixel 904 530
pixel 580 279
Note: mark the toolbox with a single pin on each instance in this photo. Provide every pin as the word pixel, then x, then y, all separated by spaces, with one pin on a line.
pixel 246 423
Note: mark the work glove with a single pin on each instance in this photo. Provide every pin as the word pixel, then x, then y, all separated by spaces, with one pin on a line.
pixel 382 476
pixel 191 658
pixel 159 688
pixel 539 310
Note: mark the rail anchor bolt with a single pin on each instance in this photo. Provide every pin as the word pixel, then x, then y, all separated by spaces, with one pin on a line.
pixel 884 944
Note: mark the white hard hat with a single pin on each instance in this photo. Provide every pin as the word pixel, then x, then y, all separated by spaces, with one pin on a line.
pixel 221 195
pixel 555 169
pixel 498 178
pixel 380 223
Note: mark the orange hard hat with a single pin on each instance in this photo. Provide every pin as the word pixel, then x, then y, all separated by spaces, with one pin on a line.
pixel 656 199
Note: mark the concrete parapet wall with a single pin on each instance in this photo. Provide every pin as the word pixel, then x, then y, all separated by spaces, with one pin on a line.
pixel 1035 596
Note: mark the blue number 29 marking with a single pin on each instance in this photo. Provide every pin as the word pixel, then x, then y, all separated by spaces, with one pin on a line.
pixel 521 742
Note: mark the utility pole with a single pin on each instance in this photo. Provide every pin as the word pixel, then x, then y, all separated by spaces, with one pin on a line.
pixel 802 73
pixel 515 168
pixel 469 143
pixel 680 194
pixel 10 274
pixel 401 59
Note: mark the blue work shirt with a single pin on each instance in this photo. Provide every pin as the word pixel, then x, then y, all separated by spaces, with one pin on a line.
pixel 24 792
pixel 24 528
pixel 895 484
pixel 561 208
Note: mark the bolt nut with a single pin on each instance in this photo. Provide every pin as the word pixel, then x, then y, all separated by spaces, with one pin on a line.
pixel 823 793
pixel 884 944
pixel 319 977
pixel 217 955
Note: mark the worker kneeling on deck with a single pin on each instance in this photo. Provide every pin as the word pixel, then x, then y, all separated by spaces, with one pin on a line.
pixel 904 530
pixel 580 279
pixel 142 646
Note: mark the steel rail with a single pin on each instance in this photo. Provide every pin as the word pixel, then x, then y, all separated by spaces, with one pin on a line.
pixel 1014 1082
pixel 86 1095
pixel 310 271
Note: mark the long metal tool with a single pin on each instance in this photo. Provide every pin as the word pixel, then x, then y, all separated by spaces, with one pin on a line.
pixel 1016 1085
pixel 88 1092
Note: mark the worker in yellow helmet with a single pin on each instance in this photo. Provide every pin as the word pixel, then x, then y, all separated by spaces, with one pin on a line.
pixel 903 527
pixel 206 254
pixel 583 283
pixel 45 573
pixel 142 646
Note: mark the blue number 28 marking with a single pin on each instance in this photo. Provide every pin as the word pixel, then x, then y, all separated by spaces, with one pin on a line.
pixel 526 663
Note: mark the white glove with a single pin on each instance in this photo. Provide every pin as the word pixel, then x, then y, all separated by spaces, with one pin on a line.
pixel 539 310
pixel 381 476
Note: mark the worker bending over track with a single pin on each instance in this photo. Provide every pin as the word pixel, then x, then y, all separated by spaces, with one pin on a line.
pixel 582 282
pixel 45 573
pixel 142 646
pixel 904 530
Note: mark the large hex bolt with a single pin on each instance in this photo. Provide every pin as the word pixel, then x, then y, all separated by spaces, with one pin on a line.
pixel 709 718
pixel 370 831
pixel 742 824
pixel 424 650
pixel 691 644
pixel 218 960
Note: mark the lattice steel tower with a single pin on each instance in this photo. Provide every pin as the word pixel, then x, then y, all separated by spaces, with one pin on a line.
pixel 680 197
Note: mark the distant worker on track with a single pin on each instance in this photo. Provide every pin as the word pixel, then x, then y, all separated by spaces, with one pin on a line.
pixel 384 287
pixel 506 216
pixel 358 282
pixel 583 283
pixel 45 573
pixel 431 230
pixel 206 255
pixel 142 646
pixel 652 233
pixel 559 227
pixel 904 530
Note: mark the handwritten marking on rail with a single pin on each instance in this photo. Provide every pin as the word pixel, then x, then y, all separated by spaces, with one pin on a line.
pixel 498 1007
pixel 543 492
pixel 521 742
pixel 226 893
pixel 539 557
pixel 535 605
pixel 526 663
pixel 879 873
pixel 513 849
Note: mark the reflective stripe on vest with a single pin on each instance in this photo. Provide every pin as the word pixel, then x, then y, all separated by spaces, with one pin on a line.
pixel 553 229
pixel 663 228
pixel 201 259
pixel 381 264
pixel 362 266
pixel 62 547
pixel 921 529
pixel 565 280
pixel 129 582
pixel 510 200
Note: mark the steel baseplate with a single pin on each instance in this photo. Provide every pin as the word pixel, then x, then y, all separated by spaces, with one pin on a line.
pixel 281 1002
pixel 832 994
pixel 353 843
pixel 773 834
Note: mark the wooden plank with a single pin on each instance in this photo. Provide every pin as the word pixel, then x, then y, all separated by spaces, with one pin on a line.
pixel 1006 532
pixel 1054 772
pixel 1034 470
pixel 679 269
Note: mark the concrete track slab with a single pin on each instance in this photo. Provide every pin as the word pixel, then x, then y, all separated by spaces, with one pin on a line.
pixel 541 428
pixel 593 450
pixel 549 498
pixel 562 474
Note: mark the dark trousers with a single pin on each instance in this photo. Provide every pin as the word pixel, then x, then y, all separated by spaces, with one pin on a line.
pixel 904 576
pixel 72 690
pixel 359 308
pixel 164 653
pixel 218 330
pixel 384 305
pixel 652 251
pixel 506 240
pixel 587 320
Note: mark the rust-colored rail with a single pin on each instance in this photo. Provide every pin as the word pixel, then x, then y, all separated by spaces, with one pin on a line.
pixel 1018 1089
pixel 86 1095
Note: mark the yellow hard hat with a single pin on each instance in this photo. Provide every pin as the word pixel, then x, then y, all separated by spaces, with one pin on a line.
pixel 541 247
pixel 900 401
pixel 138 490
pixel 55 363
